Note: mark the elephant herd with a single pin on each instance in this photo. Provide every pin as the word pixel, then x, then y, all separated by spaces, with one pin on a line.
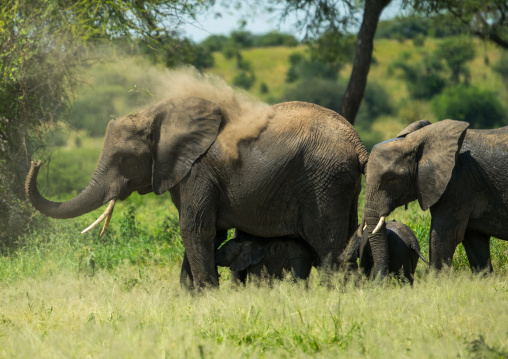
pixel 292 191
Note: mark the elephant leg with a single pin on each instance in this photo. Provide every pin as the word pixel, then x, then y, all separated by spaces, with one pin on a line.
pixel 477 246
pixel 300 266
pixel 197 227
pixel 186 278
pixel 239 277
pixel 445 235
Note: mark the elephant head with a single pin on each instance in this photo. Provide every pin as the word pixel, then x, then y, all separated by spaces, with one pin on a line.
pixel 240 253
pixel 152 150
pixel 417 164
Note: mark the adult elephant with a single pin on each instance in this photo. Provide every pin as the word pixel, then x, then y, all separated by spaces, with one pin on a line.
pixel 299 176
pixel 460 175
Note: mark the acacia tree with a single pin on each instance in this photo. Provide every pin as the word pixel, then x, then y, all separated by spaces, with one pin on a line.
pixel 338 17
pixel 42 45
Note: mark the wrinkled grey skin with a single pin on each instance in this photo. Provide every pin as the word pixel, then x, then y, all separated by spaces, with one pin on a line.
pixel 299 177
pixel 460 175
pixel 248 255
pixel 403 251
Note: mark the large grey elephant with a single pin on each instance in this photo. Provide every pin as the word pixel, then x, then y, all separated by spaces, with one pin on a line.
pixel 299 176
pixel 247 255
pixel 461 175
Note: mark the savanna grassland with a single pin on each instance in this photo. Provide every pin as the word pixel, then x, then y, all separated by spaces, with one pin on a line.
pixel 64 294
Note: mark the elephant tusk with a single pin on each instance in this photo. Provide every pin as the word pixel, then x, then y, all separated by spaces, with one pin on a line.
pixel 360 230
pixel 107 214
pixel 378 227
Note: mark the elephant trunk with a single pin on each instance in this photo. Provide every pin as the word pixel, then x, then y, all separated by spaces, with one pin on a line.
pixel 90 199
pixel 376 231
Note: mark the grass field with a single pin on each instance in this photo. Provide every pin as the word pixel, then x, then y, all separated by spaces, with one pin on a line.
pixel 52 303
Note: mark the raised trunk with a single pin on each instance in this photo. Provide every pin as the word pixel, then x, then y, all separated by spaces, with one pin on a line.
pixel 378 242
pixel 88 200
pixel 361 66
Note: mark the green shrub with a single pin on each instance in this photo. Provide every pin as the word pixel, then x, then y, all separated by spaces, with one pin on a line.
pixel 376 100
pixel 244 80
pixel 275 38
pixel 481 108
pixel 302 68
pixel 214 42
pixel 424 79
pixel 419 40
pixel 456 52
pixel 323 92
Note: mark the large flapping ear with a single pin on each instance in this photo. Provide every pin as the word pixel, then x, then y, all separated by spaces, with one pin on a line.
pixel 438 147
pixel 253 251
pixel 413 127
pixel 183 130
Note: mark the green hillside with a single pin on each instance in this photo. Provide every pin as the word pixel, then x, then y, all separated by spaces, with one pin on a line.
pixel 270 66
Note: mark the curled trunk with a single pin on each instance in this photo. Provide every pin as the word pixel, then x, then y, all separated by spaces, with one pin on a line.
pixel 88 200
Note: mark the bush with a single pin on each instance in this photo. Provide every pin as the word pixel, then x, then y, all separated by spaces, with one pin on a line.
pixel 424 79
pixel 302 68
pixel 244 80
pixel 456 52
pixel 419 40
pixel 323 92
pixel 376 100
pixel 481 108
pixel 275 38
pixel 214 42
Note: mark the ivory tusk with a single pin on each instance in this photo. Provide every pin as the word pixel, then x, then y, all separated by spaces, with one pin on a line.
pixel 378 227
pixel 360 231
pixel 107 214
pixel 106 223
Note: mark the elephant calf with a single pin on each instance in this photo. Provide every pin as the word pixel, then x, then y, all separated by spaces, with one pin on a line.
pixel 249 255
pixel 403 251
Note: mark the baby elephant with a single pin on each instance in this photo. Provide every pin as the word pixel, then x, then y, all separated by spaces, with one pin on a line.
pixel 249 255
pixel 403 251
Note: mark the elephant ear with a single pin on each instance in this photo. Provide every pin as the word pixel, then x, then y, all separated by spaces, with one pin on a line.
pixel 184 129
pixel 413 127
pixel 252 253
pixel 438 147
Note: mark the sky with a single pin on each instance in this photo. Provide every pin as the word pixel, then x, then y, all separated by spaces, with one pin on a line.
pixel 258 22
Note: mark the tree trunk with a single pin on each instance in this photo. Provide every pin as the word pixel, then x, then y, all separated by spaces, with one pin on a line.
pixel 361 66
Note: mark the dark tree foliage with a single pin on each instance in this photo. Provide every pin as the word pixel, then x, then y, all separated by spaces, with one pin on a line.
pixel 456 52
pixel 275 38
pixel 487 19
pixel 321 91
pixel 214 42
pixel 425 78
pixel 302 68
pixel 481 108
pixel 409 27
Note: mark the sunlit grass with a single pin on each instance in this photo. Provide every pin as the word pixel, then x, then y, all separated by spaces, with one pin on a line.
pixel 140 311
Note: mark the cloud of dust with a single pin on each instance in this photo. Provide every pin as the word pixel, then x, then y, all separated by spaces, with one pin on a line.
pixel 245 117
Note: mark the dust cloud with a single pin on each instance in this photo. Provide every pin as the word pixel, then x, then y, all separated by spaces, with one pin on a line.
pixel 245 117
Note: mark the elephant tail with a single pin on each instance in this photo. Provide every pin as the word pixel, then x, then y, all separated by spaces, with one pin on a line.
pixel 417 250
pixel 363 155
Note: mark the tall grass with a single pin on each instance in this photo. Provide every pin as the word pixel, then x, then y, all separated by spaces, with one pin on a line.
pixel 140 311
